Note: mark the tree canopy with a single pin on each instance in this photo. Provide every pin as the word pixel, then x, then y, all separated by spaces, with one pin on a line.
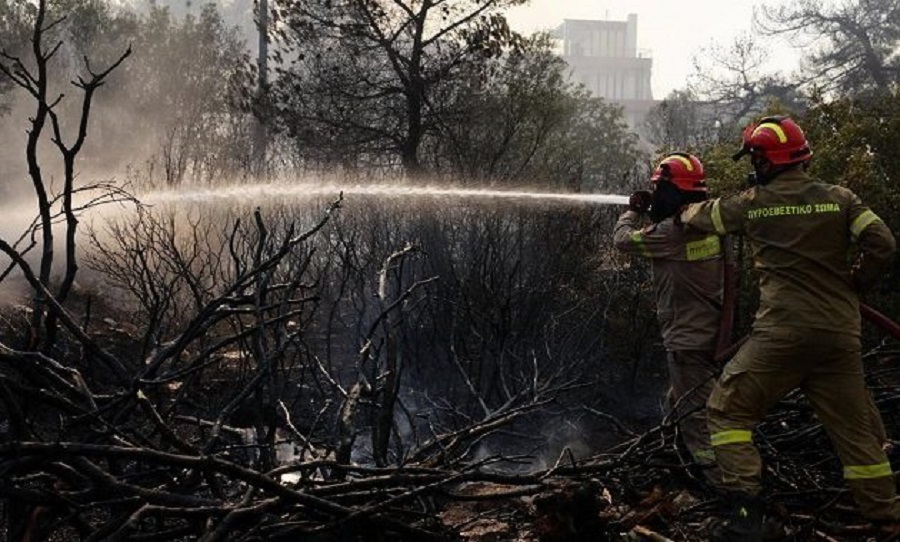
pixel 852 45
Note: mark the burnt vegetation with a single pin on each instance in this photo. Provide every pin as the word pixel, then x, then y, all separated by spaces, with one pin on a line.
pixel 365 368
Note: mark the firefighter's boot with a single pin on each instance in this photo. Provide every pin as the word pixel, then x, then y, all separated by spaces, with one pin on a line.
pixel 744 522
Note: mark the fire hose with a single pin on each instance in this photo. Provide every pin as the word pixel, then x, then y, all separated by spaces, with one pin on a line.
pixel 725 351
pixel 892 328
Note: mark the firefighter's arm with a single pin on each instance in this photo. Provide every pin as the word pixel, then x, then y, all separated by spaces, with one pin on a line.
pixel 875 242
pixel 628 223
pixel 720 215
pixel 652 241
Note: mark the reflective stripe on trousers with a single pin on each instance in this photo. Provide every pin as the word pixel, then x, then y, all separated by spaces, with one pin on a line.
pixel 827 368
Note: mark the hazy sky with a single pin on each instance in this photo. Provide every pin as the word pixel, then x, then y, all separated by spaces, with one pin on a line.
pixel 673 31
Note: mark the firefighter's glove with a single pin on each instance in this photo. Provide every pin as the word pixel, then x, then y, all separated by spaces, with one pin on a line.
pixel 676 219
pixel 639 201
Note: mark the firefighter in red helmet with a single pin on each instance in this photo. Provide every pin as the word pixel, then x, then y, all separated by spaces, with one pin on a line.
pixel 683 170
pixel 806 333
pixel 774 144
pixel 687 270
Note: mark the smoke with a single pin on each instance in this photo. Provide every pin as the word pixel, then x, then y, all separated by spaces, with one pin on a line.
pixel 13 127
pixel 16 220
pixel 565 442
pixel 20 229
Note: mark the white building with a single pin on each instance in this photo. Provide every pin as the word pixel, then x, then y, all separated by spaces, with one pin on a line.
pixel 604 57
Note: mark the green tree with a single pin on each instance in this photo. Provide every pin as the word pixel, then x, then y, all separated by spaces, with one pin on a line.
pixel 857 40
pixel 516 119
pixel 855 144
pixel 681 121
pixel 180 91
pixel 362 74
pixel 735 84
pixel 13 38
pixel 171 112
pixel 595 150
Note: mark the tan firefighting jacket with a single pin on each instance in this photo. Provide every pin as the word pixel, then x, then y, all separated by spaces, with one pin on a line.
pixel 688 272
pixel 801 233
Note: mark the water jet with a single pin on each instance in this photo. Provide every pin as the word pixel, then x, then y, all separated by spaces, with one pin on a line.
pixel 280 190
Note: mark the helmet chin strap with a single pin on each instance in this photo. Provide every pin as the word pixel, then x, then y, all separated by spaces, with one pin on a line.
pixel 761 177
pixel 764 171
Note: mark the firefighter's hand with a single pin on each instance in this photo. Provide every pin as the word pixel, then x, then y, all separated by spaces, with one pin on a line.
pixel 639 201
pixel 677 218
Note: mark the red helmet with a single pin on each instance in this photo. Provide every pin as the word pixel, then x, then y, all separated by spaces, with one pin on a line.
pixel 684 171
pixel 777 139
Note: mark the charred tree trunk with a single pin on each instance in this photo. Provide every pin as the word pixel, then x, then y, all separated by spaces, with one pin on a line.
pixel 35 82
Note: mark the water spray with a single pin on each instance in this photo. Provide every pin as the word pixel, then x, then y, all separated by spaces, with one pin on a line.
pixel 268 191
pixel 261 192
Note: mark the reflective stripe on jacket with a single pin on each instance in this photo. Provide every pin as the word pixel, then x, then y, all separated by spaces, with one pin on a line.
pixel 801 233
pixel 687 278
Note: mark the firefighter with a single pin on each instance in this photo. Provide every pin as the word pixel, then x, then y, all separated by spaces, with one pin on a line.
pixel 806 333
pixel 687 270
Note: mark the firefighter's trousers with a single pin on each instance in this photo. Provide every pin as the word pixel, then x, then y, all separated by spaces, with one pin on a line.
pixel 692 374
pixel 827 368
